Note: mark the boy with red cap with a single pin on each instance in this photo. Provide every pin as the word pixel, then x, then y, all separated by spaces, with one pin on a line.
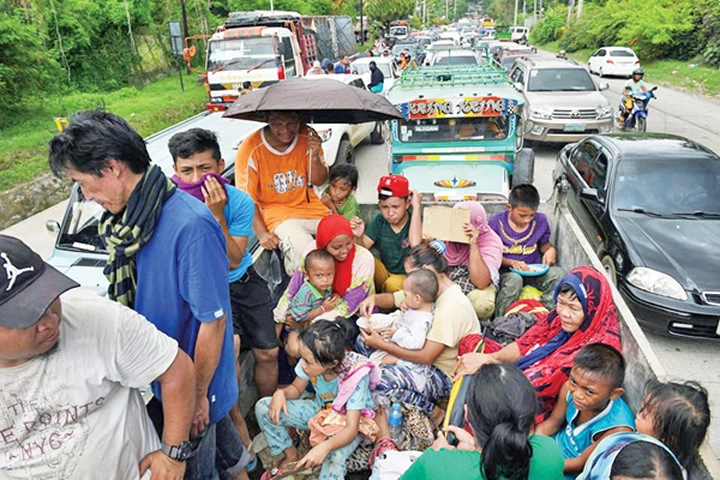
pixel 393 231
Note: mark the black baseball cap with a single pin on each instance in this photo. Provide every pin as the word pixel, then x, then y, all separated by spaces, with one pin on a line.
pixel 28 285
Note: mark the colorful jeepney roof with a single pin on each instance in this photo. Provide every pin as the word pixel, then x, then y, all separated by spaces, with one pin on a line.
pixel 455 91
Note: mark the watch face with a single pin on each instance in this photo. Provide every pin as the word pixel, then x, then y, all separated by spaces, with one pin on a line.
pixel 177 452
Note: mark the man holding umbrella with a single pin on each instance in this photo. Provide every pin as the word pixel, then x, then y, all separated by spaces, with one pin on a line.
pixel 272 167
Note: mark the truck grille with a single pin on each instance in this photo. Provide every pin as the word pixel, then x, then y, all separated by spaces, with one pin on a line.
pixel 711 298
pixel 575 113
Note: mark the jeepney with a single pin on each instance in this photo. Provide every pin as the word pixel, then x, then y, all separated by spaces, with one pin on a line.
pixel 459 137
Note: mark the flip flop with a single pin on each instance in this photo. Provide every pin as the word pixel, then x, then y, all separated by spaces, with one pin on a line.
pixel 288 470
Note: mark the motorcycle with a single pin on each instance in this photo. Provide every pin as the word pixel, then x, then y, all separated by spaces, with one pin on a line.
pixel 636 120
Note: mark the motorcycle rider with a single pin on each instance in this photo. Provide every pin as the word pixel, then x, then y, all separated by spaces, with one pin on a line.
pixel 634 85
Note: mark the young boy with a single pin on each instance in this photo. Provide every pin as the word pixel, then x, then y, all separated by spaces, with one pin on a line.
pixel 314 297
pixel 410 327
pixel 525 235
pixel 338 196
pixel 589 406
pixel 393 231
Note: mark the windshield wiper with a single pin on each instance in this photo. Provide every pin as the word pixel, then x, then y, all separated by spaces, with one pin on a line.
pixel 260 64
pixel 643 211
pixel 698 213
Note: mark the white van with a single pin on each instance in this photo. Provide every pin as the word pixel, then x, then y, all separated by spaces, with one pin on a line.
pixel 519 33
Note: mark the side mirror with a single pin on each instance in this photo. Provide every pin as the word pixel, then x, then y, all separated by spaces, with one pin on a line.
pixel 518 86
pixel 325 135
pixel 589 194
pixel 53 227
pixel 604 86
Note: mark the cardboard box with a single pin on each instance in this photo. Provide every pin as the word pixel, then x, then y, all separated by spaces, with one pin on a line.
pixel 445 223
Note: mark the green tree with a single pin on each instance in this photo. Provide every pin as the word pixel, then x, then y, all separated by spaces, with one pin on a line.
pixel 388 11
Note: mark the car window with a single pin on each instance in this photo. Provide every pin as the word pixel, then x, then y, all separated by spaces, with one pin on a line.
pixel 601 52
pixel 665 185
pixel 560 80
pixel 582 158
pixel 621 53
pixel 599 176
pixel 518 76
pixel 358 83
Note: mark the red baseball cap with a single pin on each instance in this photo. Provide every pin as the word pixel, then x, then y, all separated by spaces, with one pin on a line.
pixel 394 186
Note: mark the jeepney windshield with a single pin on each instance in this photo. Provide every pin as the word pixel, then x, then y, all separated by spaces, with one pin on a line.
pixel 241 53
pixel 453 129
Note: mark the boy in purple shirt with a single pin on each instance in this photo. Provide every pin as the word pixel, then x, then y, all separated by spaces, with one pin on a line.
pixel 525 234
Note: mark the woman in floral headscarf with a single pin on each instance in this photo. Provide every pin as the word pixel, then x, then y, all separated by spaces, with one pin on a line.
pixel 475 267
pixel 585 313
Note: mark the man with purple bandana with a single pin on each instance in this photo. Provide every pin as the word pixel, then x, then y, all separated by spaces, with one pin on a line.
pixel 525 235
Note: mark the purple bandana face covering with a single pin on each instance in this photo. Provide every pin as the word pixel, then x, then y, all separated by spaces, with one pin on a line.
pixel 195 189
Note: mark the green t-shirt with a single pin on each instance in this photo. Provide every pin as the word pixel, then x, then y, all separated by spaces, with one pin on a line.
pixel 392 246
pixel 349 209
pixel 546 463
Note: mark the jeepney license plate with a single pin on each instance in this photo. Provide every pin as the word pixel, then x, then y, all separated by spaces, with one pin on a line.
pixel 575 127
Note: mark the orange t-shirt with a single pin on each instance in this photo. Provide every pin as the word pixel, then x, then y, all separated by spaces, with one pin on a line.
pixel 277 181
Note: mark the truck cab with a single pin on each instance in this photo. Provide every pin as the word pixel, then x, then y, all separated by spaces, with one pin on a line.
pixel 256 49
pixel 459 136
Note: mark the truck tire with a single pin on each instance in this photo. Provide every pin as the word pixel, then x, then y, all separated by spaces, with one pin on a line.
pixel 524 167
pixel 377 136
pixel 345 153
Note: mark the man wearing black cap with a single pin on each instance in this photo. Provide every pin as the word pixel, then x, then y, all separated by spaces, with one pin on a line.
pixel 70 369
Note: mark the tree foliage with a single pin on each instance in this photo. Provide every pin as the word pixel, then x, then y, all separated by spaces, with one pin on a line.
pixel 385 11
pixel 59 46
pixel 653 28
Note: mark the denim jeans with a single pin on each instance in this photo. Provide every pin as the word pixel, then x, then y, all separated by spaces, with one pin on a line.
pixel 217 453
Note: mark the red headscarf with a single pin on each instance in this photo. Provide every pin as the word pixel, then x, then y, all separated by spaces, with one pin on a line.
pixel 329 228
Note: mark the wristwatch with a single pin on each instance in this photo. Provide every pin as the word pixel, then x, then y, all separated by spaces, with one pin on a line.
pixel 179 452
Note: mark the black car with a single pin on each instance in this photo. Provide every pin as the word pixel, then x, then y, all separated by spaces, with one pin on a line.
pixel 650 206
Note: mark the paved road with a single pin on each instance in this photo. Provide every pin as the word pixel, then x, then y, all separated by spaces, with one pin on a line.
pixel 674 112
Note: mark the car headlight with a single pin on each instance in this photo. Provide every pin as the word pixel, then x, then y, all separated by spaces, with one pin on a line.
pixel 604 112
pixel 656 282
pixel 541 113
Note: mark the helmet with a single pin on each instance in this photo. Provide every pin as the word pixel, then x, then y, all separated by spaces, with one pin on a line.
pixel 639 71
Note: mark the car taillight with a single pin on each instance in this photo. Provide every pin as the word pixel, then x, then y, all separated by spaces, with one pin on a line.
pixel 637 63
pixel 281 72
pixel 611 62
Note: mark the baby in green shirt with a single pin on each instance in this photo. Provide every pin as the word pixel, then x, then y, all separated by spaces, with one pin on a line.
pixel 338 196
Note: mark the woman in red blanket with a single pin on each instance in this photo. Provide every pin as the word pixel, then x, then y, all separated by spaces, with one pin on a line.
pixel 585 313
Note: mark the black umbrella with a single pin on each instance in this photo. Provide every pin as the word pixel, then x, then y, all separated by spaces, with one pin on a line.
pixel 320 100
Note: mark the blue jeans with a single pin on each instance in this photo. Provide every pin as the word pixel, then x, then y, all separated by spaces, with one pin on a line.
pixel 301 411
pixel 217 453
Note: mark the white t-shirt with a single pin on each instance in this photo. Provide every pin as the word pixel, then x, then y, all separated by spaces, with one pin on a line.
pixel 454 317
pixel 77 413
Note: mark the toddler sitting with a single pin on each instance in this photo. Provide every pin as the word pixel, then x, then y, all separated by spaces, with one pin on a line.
pixel 407 328
pixel 314 298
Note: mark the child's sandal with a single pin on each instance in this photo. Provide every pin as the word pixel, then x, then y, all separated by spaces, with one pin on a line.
pixel 288 470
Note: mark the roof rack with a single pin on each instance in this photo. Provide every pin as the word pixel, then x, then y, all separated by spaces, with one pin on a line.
pixel 260 17
pixel 450 75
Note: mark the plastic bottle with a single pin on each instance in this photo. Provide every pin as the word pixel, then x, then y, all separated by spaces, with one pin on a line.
pixel 395 422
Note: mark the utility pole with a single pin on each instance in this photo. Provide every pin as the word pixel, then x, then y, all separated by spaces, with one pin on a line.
pixel 516 12
pixel 424 14
pixel 580 5
pixel 571 6
pixel 185 28
pixel 362 24
pixel 455 10
pixel 447 6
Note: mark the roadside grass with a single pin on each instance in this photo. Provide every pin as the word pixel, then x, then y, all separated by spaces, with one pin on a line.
pixel 158 105
pixel 675 73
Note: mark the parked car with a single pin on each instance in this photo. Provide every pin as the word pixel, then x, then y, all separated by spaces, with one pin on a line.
pixel 620 61
pixel 386 66
pixel 649 204
pixel 563 102
pixel 340 139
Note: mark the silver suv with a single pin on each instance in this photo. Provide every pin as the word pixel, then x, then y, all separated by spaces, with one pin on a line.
pixel 562 102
